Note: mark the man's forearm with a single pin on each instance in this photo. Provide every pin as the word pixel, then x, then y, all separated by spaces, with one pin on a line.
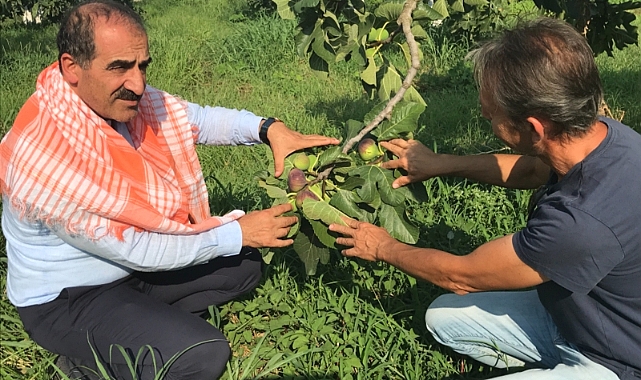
pixel 492 266
pixel 506 170
pixel 428 264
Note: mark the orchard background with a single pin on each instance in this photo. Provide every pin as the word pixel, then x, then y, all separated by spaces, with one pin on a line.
pixel 351 319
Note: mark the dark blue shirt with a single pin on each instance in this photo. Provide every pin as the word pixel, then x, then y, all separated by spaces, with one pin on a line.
pixel 585 236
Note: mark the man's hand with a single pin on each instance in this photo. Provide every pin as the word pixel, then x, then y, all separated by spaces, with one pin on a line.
pixel 417 159
pixel 284 142
pixel 267 228
pixel 366 240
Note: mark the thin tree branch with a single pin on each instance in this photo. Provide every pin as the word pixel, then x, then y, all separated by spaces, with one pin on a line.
pixel 404 20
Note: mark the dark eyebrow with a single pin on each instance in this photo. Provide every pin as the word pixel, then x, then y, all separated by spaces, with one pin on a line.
pixel 121 63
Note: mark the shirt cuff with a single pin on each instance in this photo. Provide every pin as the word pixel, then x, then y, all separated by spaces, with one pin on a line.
pixel 224 126
pixel 228 239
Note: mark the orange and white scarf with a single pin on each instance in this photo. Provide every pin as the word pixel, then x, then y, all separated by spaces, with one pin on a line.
pixel 62 164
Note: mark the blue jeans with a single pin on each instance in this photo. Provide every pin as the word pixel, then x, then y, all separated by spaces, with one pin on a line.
pixel 507 330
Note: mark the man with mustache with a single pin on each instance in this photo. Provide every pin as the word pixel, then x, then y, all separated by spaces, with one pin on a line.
pixel 581 249
pixel 110 240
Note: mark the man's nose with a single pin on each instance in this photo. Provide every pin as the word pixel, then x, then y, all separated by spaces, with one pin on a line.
pixel 136 81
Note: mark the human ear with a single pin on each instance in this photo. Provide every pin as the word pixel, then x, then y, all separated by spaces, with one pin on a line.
pixel 537 129
pixel 69 68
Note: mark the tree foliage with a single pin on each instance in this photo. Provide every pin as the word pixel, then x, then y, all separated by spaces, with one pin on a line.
pixel 14 12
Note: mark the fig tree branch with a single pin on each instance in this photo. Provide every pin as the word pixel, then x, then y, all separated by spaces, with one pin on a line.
pixel 405 21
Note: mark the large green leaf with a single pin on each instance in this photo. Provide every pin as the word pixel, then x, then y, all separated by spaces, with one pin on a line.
pixel 394 220
pixel 374 112
pixel 318 66
pixel 392 11
pixel 305 35
pixel 320 45
pixel 284 10
pixel 324 235
pixel 475 2
pixel 365 25
pixel 310 250
pixel 378 180
pixel 351 47
pixel 404 119
pixel 440 6
pixel 391 83
pixel 414 191
pixel 323 211
pixel 348 202
pixel 301 4
pixel 369 74
pixel 273 191
pixel 457 6
pixel 408 57
pixel 328 156
pixel 389 11
pixel 352 183
pixel 426 13
pixel 419 33
pixel 352 127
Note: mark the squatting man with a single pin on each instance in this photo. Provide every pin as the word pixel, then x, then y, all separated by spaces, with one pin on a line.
pixel 110 240
pixel 581 248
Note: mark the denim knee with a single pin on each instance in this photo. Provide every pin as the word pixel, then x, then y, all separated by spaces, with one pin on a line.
pixel 436 315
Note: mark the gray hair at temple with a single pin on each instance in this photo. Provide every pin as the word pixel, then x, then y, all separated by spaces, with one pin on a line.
pixel 545 69
pixel 76 33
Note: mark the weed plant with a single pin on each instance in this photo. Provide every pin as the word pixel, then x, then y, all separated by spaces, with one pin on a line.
pixel 353 320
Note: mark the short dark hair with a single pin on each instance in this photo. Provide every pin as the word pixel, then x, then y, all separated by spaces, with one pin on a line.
pixel 543 68
pixel 76 33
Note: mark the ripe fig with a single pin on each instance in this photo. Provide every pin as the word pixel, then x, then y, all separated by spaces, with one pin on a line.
pixel 305 194
pixel 368 149
pixel 301 161
pixel 296 180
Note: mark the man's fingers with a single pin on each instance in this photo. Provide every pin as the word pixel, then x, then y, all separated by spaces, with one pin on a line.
pixel 281 208
pixel 279 166
pixel 319 140
pixel 353 223
pixel 286 221
pixel 395 146
pixel 345 230
pixel 279 243
pixel 401 181
pixel 348 242
pixel 393 164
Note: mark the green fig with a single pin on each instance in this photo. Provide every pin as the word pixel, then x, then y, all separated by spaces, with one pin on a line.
pixel 377 35
pixel 301 161
pixel 368 149
pixel 369 53
pixel 296 180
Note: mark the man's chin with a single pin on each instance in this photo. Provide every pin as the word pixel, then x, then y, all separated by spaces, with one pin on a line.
pixel 126 116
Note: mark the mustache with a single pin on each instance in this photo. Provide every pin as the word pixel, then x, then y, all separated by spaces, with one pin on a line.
pixel 126 94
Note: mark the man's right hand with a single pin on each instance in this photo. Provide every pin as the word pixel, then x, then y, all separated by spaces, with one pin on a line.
pixel 415 158
pixel 267 228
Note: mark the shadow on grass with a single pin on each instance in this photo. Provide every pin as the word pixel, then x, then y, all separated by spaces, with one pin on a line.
pixel 622 93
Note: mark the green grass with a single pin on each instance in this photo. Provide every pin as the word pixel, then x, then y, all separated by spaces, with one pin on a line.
pixel 353 320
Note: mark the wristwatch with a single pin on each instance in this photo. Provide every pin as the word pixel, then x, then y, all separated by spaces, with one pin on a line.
pixel 262 134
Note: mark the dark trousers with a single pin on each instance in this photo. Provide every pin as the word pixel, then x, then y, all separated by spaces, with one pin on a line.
pixel 159 310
